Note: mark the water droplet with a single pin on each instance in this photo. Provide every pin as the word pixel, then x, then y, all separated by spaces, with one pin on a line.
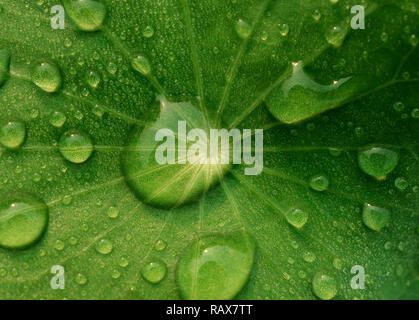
pixel 384 37
pixel 46 76
pixel 324 286
pixel 215 266
pixel 4 65
pixel 243 29
pixel 123 262
pixel 319 183
pixel 81 279
pixel 297 217
pixel 335 152
pixel 12 134
pixel 374 217
pixel 398 106
pixel 148 32
pixel 23 220
pixel 316 15
pixel 142 65
pixel 116 274
pixel 160 245
pixel 59 245
pixel 57 119
pixel 93 79
pixel 415 113
pixel 88 15
pixel 401 183
pixel 337 263
pixel 309 256
pixel 98 111
pixel 284 29
pixel 413 40
pixel 75 146
pixel 158 184
pixel 154 271
pixel 336 35
pixel 378 162
pixel 113 212
pixel 104 246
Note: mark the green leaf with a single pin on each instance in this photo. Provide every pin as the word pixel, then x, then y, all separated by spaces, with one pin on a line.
pixel 339 187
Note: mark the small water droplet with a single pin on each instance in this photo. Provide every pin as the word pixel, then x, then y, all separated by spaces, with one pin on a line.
pixel 12 134
pixel 142 65
pixel 243 29
pixel 160 245
pixel 337 263
pixel 154 271
pixel 374 217
pixel 336 35
pixel 123 262
pixel 148 32
pixel 113 212
pixel 309 256
pixel 93 79
pixel 81 279
pixel 46 76
pixel 401 183
pixel 75 146
pixel 324 286
pixel 59 245
pixel 296 217
pixel 57 119
pixel 319 183
pixel 284 29
pixel 116 274
pixel 88 15
pixel 378 162
pixel 104 246
pixel 415 113
pixel 23 220
pixel 398 106
pixel 67 200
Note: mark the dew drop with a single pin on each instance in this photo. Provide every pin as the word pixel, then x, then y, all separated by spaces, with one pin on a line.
pixel 23 220
pixel 309 256
pixel 12 134
pixel 243 29
pixel 215 266
pixel 398 106
pixel 46 76
pixel 93 79
pixel 81 279
pixel 148 32
pixel 123 262
pixel 88 15
pixel 160 245
pixel 57 119
pixel 284 29
pixel 415 113
pixel 296 217
pixel 104 246
pixel 154 271
pixel 336 35
pixel 324 286
pixel 142 65
pixel 374 217
pixel 113 212
pixel 413 40
pixel 75 146
pixel 4 65
pixel 401 183
pixel 116 274
pixel 59 245
pixel 378 162
pixel 319 183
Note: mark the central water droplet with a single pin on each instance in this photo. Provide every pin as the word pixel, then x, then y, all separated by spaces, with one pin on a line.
pixel 243 29
pixel 378 162
pixel 154 271
pixel 4 65
pixel 319 183
pixel 300 97
pixel 75 146
pixel 324 286
pixel 104 246
pixel 374 217
pixel 46 76
pixel 179 181
pixel 142 65
pixel 215 266
pixel 12 134
pixel 297 217
pixel 88 15
pixel 23 220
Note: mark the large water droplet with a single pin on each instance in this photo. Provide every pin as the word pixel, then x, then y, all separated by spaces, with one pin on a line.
pixel 4 65
pixel 75 146
pixel 171 184
pixel 215 266
pixel 23 220
pixel 324 286
pixel 88 15
pixel 297 217
pixel 243 29
pixel 46 76
pixel 154 271
pixel 300 97
pixel 374 217
pixel 104 246
pixel 12 134
pixel 378 162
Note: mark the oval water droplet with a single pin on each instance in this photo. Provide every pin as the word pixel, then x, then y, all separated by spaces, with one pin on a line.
pixel 12 134
pixel 378 162
pixel 297 217
pixel 76 146
pixel 57 119
pixel 142 65
pixel 46 76
pixel 169 183
pixel 4 65
pixel 324 286
pixel 93 79
pixel 148 32
pixel 23 221
pixel 88 15
pixel 319 183
pixel 336 35
pixel 243 29
pixel 284 29
pixel 401 183
pixel 215 266
pixel 81 279
pixel 160 245
pixel 154 271
pixel 375 218
pixel 113 212
pixel 104 246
